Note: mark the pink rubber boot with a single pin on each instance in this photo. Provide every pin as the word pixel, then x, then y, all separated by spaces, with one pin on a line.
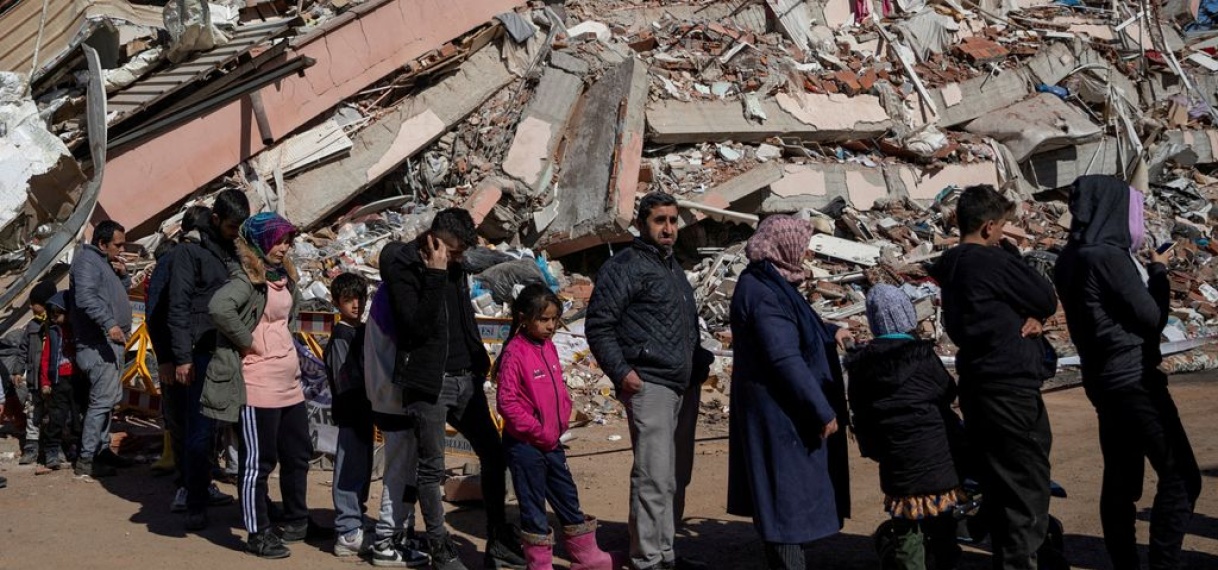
pixel 581 545
pixel 538 550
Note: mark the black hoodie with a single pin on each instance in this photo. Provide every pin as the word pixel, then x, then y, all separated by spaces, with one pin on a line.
pixel 1115 320
pixel 988 294
pixel 198 270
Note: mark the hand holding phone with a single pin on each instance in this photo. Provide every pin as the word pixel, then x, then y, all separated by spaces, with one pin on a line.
pixel 1163 253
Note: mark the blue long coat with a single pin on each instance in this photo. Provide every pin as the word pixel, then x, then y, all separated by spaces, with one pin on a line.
pixel 786 385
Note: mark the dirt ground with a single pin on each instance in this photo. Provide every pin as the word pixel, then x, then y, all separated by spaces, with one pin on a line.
pixel 57 521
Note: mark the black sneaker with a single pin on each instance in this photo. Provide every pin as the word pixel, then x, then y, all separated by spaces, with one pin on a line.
pixel 504 550
pixel 87 467
pixel 3 482
pixel 395 552
pixel 304 530
pixel 196 521
pixel 110 458
pixel 55 459
pixel 444 555
pixel 266 544
pixel 29 455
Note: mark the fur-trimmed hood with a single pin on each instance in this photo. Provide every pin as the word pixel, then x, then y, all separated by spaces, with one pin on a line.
pixel 255 267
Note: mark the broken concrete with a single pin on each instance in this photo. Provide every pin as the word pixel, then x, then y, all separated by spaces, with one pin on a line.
pixel 541 127
pixel 806 116
pixel 388 142
pixel 1059 168
pixel 962 102
pixel 1041 123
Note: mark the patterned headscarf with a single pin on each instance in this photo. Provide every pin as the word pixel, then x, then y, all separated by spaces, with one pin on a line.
pixel 781 240
pixel 262 231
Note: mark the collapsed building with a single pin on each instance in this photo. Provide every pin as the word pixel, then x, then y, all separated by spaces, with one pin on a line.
pixel 547 119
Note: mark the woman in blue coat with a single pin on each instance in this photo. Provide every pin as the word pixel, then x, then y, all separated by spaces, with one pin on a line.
pixel 787 456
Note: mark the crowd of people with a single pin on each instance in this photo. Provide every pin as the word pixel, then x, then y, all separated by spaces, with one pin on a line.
pixel 223 297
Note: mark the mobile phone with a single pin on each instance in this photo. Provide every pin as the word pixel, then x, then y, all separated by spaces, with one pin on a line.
pixel 1165 247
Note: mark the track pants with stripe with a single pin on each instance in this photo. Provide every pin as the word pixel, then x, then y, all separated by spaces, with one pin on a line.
pixel 270 437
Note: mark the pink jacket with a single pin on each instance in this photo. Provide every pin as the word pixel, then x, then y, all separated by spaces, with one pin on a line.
pixel 532 396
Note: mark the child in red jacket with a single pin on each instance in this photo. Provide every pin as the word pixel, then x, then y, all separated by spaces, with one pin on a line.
pixel 535 406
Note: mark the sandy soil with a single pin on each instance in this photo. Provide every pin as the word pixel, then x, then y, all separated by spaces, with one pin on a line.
pixel 58 521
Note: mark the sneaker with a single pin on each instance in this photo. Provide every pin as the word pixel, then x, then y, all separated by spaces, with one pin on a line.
pixel 266 544
pixel 29 455
pixel 196 521
pixel 110 458
pixel 3 482
pixel 352 544
pixel 87 467
pixel 504 550
pixel 179 501
pixel 393 552
pixel 294 532
pixel 218 498
pixel 444 554
pixel 55 459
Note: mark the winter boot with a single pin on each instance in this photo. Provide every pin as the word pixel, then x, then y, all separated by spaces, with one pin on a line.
pixel 581 545
pixel 444 554
pixel 55 458
pixel 503 551
pixel 29 454
pixel 900 544
pixel 538 550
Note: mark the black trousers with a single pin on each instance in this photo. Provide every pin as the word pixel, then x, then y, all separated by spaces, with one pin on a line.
pixel 271 436
pixel 1008 432
pixel 1137 423
pixel 63 412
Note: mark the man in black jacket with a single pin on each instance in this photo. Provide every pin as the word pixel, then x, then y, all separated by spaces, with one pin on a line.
pixel 1116 311
pixel 642 327
pixel 441 366
pixel 994 305
pixel 198 270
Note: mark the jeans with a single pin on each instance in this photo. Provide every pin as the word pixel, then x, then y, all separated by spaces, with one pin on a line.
pixel 540 476
pixel 200 443
pixel 1138 423
pixel 32 403
pixel 461 403
pixel 102 366
pixel 1008 431
pixel 399 490
pixel 662 426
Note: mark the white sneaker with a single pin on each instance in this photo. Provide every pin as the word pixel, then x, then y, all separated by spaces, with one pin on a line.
pixel 351 544
pixel 179 501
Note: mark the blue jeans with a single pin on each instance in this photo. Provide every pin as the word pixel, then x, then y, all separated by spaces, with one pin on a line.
pixel 102 366
pixel 200 441
pixel 541 476
pixel 352 477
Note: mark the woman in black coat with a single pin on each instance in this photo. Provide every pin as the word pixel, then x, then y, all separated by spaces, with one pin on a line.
pixel 901 396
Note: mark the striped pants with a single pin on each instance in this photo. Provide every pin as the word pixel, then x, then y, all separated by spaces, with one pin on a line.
pixel 270 437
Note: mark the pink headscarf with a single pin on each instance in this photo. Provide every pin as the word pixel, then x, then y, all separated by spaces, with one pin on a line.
pixel 781 240
pixel 1137 219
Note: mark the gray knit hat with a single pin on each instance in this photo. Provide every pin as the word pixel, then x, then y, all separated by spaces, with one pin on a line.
pixel 889 311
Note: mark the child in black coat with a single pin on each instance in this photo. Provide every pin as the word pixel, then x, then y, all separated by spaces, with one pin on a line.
pixel 900 397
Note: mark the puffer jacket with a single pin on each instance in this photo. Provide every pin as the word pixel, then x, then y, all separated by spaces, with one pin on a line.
pixel 532 396
pixel 235 309
pixel 98 297
pixel 900 397
pixel 642 317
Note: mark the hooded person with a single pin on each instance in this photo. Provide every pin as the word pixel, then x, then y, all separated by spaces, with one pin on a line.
pixel 1116 310
pixel 787 465
pixel 900 399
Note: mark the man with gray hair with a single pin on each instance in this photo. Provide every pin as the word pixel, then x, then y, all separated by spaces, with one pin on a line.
pixel 642 326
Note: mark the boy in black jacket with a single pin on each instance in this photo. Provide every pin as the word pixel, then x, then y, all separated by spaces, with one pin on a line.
pixel 1116 310
pixel 993 309
pixel 27 372
pixel 352 414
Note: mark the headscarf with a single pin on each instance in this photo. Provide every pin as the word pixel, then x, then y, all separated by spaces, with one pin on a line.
pixel 262 231
pixel 889 311
pixel 1137 219
pixel 781 240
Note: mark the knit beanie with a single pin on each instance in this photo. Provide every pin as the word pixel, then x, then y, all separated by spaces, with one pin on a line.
pixel 41 293
pixel 889 311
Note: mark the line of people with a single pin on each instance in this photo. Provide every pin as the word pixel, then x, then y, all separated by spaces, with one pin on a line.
pixel 222 301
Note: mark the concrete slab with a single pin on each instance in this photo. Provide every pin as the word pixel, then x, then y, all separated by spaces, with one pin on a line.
pixel 385 144
pixel 744 185
pixel 979 96
pixel 352 51
pixel 924 185
pixel 1059 168
pixel 688 122
pixel 541 127
pixel 1042 122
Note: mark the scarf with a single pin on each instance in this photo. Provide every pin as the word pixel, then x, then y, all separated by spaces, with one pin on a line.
pixel 781 240
pixel 264 230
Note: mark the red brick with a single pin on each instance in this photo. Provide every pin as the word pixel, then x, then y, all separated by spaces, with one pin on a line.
pixel 849 82
pixel 868 79
pixel 981 50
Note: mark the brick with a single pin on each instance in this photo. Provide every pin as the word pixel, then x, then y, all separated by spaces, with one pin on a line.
pixel 849 82
pixel 868 79
pixel 981 50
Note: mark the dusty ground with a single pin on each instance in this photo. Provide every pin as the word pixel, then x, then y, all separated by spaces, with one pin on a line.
pixel 56 521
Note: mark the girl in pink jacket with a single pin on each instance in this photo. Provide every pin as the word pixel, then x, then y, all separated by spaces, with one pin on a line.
pixel 535 406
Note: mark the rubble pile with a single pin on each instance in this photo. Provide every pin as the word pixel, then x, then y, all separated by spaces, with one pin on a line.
pixel 547 119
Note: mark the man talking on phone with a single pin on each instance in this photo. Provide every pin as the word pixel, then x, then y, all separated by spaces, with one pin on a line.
pixel 440 367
